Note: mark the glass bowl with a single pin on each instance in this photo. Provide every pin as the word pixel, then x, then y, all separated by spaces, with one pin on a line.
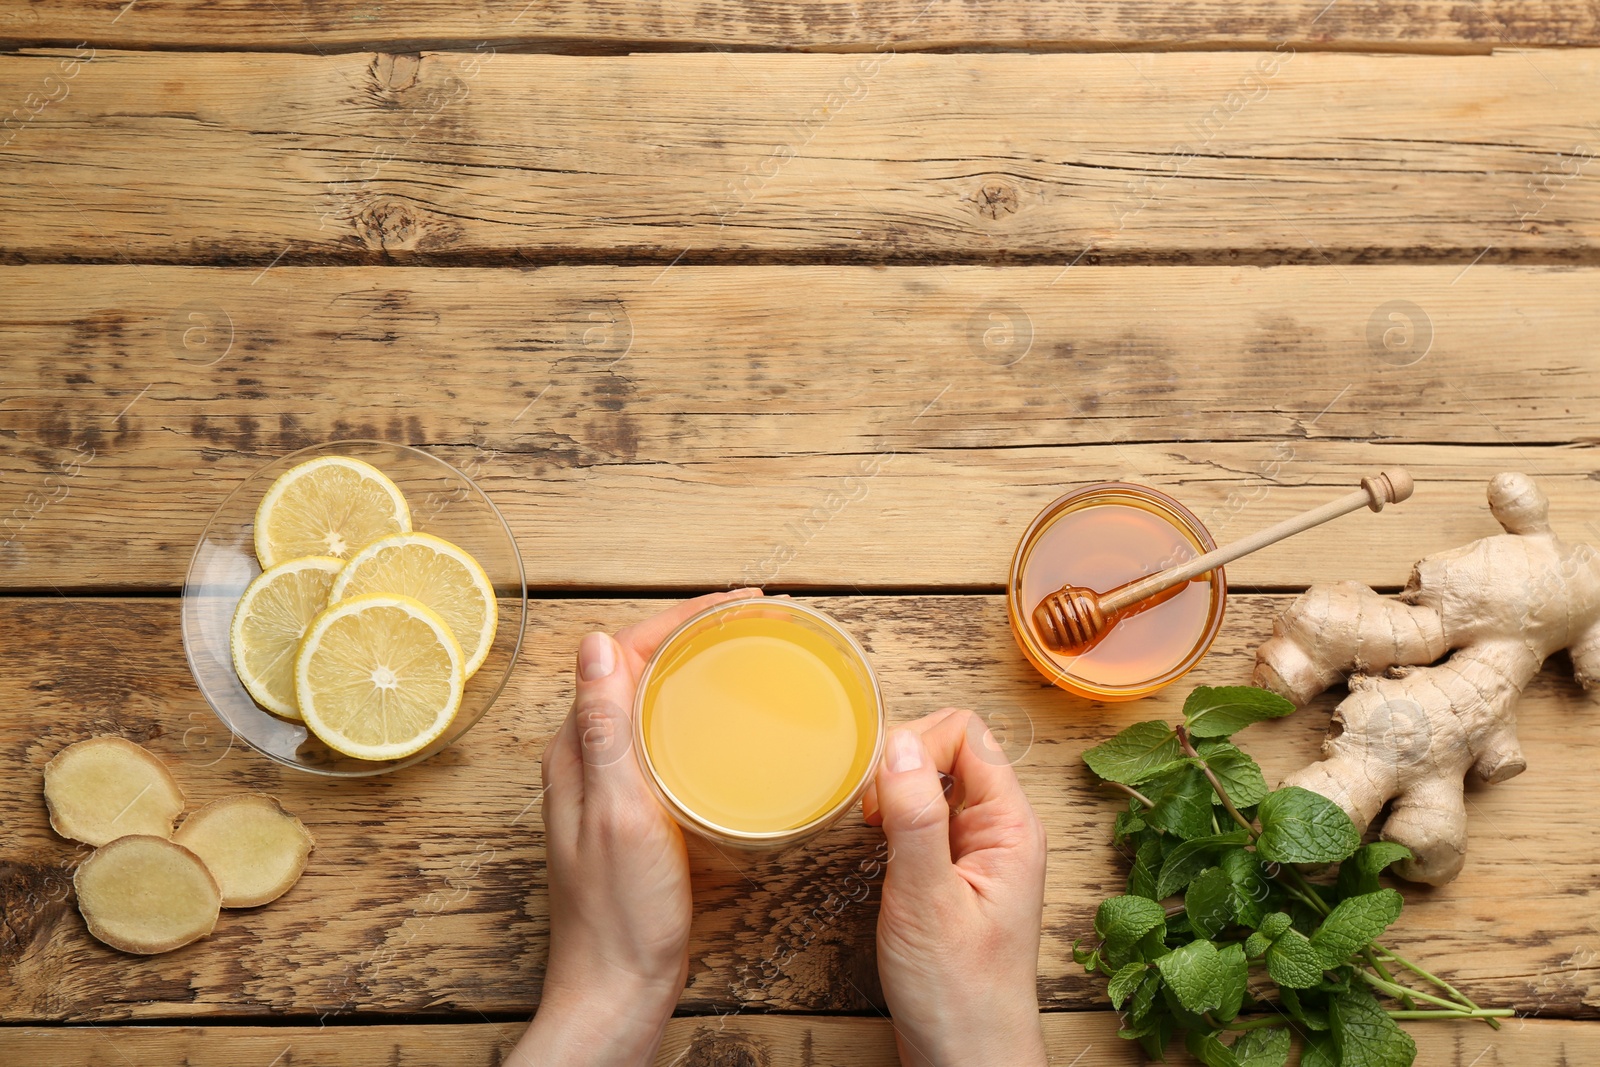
pixel 832 647
pixel 443 501
pixel 1100 537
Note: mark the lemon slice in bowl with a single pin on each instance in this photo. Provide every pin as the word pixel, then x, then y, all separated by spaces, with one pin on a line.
pixel 329 506
pixel 379 676
pixel 430 569
pixel 269 622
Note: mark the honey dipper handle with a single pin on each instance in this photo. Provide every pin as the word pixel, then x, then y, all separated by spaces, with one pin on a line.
pixel 1386 487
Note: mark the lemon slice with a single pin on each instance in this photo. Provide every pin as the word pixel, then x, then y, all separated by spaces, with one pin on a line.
pixel 331 506
pixel 271 618
pixel 430 569
pixel 379 676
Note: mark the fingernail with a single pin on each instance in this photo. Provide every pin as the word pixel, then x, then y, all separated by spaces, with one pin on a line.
pixel 597 657
pixel 905 751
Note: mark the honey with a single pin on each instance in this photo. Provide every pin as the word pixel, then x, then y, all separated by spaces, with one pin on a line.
pixel 1099 538
pixel 759 722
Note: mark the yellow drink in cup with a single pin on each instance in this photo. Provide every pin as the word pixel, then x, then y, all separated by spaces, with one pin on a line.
pixel 759 723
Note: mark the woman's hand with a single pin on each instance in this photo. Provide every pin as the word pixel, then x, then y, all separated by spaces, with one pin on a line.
pixel 958 932
pixel 618 871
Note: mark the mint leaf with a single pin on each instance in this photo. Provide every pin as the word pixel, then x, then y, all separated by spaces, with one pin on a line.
pixel 1127 823
pixel 1188 858
pixel 1299 826
pixel 1240 775
pixel 1266 1047
pixel 1256 944
pixel 1354 924
pixel 1359 873
pixel 1182 803
pixel 1319 1051
pixel 1273 926
pixel 1153 946
pixel 1293 962
pixel 1126 919
pixel 1210 1051
pixel 1365 1035
pixel 1146 863
pixel 1233 974
pixel 1209 902
pixel 1251 886
pixel 1145 997
pixel 1219 711
pixel 1315 1018
pixel 1191 973
pixel 1135 755
pixel 1155 1041
pixel 1125 982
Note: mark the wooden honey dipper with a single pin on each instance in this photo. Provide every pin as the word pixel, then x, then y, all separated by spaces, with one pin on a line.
pixel 1073 616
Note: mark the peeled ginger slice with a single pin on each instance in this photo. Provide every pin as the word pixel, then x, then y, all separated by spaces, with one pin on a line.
pixel 108 787
pixel 144 895
pixel 254 848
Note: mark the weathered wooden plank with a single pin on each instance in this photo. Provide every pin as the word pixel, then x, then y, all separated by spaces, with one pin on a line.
pixel 820 25
pixel 1171 157
pixel 769 1040
pixel 901 519
pixel 806 425
pixel 425 893
pixel 1013 355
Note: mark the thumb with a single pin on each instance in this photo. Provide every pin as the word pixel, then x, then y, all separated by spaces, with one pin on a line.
pixel 916 819
pixel 602 714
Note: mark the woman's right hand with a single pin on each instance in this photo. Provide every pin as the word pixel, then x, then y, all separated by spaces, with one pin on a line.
pixel 963 898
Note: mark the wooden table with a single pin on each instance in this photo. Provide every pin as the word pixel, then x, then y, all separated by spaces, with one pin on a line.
pixel 827 296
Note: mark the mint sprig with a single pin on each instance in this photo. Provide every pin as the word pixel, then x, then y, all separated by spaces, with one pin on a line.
pixel 1221 938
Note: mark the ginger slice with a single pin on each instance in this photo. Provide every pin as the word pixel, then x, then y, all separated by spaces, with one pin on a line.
pixel 108 787
pixel 145 894
pixel 253 848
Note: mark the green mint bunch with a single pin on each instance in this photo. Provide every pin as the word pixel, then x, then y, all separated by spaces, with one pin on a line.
pixel 1220 937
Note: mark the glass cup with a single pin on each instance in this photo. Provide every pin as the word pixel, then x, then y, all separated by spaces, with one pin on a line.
pixel 1100 537
pixel 758 723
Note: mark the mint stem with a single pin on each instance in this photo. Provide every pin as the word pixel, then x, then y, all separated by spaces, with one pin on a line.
pixel 1252 1024
pixel 1222 794
pixel 1395 957
pixel 1488 1015
pixel 1395 990
pixel 1132 792
pixel 1372 960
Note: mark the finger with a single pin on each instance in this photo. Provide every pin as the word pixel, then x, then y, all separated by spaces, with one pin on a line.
pixel 961 745
pixel 994 813
pixel 916 819
pixel 643 638
pixel 869 799
pixel 602 718
pixel 561 772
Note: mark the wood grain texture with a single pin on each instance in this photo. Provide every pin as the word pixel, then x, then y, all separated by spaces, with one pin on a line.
pixel 830 426
pixel 736 1041
pixel 584 25
pixel 460 157
pixel 425 894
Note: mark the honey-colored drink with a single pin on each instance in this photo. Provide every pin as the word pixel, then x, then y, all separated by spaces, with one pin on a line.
pixel 759 722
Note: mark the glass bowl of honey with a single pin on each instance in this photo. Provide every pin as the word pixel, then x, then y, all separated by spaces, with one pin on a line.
pixel 1100 537
pixel 759 723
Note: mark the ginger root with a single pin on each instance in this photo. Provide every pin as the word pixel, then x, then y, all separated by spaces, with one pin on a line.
pixel 253 848
pixel 1413 725
pixel 108 787
pixel 146 895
